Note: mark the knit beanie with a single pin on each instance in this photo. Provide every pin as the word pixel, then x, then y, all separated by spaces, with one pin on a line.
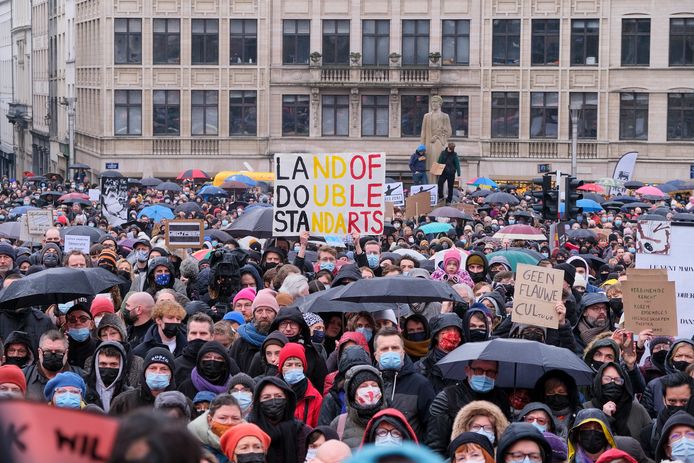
pixel 101 305
pixel 243 379
pixel 160 355
pixel 13 374
pixel 66 378
pixel 266 298
pixel 359 378
pixel 471 438
pixel 451 254
pixel 569 272
pixel 231 438
pixel 292 349
pixel 311 319
pixel 8 250
pixel 114 321
pixel 245 293
pixel 107 256
pixel 473 259
pixel 203 396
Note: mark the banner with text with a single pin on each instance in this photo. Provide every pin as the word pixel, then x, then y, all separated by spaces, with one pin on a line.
pixel 538 289
pixel 114 200
pixel 329 194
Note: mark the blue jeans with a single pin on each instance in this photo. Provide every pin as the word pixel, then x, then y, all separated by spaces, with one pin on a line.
pixel 420 178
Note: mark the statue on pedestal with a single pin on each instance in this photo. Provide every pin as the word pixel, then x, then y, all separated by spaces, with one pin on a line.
pixel 436 129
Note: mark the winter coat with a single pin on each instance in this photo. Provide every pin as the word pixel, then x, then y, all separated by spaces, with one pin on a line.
pixel 334 358
pixel 415 164
pixel 188 387
pixel 563 419
pixel 200 428
pixel 259 366
pixel 31 321
pixel 427 365
pixel 450 159
pixel 95 383
pixel 36 380
pixel 334 402
pixel 308 407
pixel 187 360
pixel 651 399
pixel 153 339
pixel 79 352
pixel 393 417
pixel 680 418
pixel 588 415
pixel 477 408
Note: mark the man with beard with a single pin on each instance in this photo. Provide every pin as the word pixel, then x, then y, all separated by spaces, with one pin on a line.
pixel 594 318
pixel 53 350
pixel 252 335
pixel 8 256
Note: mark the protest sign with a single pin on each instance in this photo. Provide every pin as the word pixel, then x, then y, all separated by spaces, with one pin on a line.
pixel 114 200
pixel 24 230
pixel 185 234
pixel 417 205
pixel 469 209
pixel 389 211
pixel 39 220
pixel 650 304
pixel 433 191
pixel 334 241
pixel 329 194
pixel 77 243
pixel 34 432
pixel 394 193
pixel 437 169
pixel 652 237
pixel 537 291
pixel 94 194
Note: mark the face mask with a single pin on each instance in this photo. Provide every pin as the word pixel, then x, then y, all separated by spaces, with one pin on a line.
pixel 396 225
pixel 617 305
pixel 225 223
pixel 245 399
pixel 632 250
pixel 659 357
pixel 683 450
pixel 294 376
pixel 269 266
pixel 489 435
pixel 369 395
pixel 511 221
pixel 53 362
pixel 603 219
pixel 557 401
pixel 297 248
pixel 162 279
pixel 250 458
pixel 618 223
pixel 17 361
pixel 388 440
pixel 157 381
pixel 540 427
pixel 218 429
pixel 273 408
pixel 481 383
pixel 366 332
pixel 478 335
pixel 213 369
pixel 418 336
pixel 68 400
pixel 390 361
pixel 310 455
pixel 476 276
pixel 142 256
pixel 79 334
pixel 329 266
pixel 108 375
pixel 680 365
pixel 50 260
pixel 318 337
pixel 449 341
pixel 170 329
pixel 128 317
pixel 592 440
pixel 372 260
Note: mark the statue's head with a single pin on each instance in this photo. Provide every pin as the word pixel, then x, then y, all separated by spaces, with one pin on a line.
pixel 436 102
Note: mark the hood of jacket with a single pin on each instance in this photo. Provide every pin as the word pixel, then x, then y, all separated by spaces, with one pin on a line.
pixel 218 348
pixel 484 260
pixel 500 260
pixel 538 394
pixel 94 376
pixel 522 431
pixel 421 319
pixel 628 389
pixel 351 357
pixel 288 392
pixel 441 321
pixel 497 301
pixel 393 417
pixel 669 368
pixel 253 271
pixel 352 336
pixel 534 406
pixel 159 261
pixel 21 337
pixel 679 418
pixel 477 408
pixel 584 416
pixel 293 314
pixel 596 344
pixel 466 322
pixel 347 272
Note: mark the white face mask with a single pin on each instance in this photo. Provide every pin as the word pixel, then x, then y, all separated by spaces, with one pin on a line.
pixel 388 440
pixel 310 455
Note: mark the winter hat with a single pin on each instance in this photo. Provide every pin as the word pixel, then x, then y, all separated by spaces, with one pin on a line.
pixel 243 379
pixel 471 438
pixel 266 298
pixel 421 148
pixel 13 374
pixel 612 455
pixel 203 396
pixel 66 378
pixel 451 254
pixel 159 355
pixel 232 437
pixel 173 399
pixel 20 260
pixel 560 451
pixel 245 293
pixel 8 250
pixel 80 306
pixel 234 317
pixel 569 272
pixel 387 314
pixel 311 319
pixel 579 281
pixel 114 321
pixel 365 373
pixel 292 349
pixel 284 299
pixel 101 305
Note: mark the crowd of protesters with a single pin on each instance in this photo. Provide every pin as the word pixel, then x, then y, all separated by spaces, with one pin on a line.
pixel 217 343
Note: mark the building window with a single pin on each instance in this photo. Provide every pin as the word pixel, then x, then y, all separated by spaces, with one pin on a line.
pixel 166 112
pixel 166 41
pixel 585 36
pixel 335 42
pixel 682 42
pixel 544 117
pixel 295 115
pixel 374 115
pixel 243 112
pixel 413 108
pixel 335 115
pixel 295 41
pixel 587 115
pixel 205 41
pixel 636 42
pixel 204 112
pixel 243 41
pixel 505 114
pixel 128 41
pixel 457 108
pixel 415 42
pixel 375 46
pixel 633 116
pixel 506 42
pixel 545 42
pixel 680 116
pixel 128 112
pixel 456 42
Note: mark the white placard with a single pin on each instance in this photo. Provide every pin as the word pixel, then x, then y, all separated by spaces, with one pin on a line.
pixel 433 191
pixel 94 194
pixel 77 243
pixel 394 193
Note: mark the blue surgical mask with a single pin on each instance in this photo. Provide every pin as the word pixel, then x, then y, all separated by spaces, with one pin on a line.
pixel 68 400
pixel 297 248
pixel 329 266
pixel 294 376
pixel 540 427
pixel 511 221
pixel 366 332
pixel 162 279
pixel 318 336
pixel 618 223
pixel 245 399
pixel 524 460
pixel 63 308
pixel 481 383
pixel 225 223
pixel 489 435
pixel 142 256
pixel 79 334
pixel 390 361
pixel 388 440
pixel 215 244
pixel 372 260
pixel 632 250
pixel 683 450
pixel 157 381
pixel 603 219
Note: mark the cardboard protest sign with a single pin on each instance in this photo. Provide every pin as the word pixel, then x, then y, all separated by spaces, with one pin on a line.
pixel 185 234
pixel 77 243
pixel 652 237
pixel 395 194
pixel 433 191
pixel 39 220
pixel 389 210
pixel 650 304
pixel 24 230
pixel 537 291
pixel 469 209
pixel 329 193
pixel 33 432
pixel 437 169
pixel 417 205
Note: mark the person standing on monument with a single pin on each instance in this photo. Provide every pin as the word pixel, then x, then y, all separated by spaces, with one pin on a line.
pixel 418 165
pixel 449 158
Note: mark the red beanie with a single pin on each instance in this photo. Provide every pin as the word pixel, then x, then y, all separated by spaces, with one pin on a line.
pixel 101 305
pixel 232 437
pixel 292 349
pixel 13 374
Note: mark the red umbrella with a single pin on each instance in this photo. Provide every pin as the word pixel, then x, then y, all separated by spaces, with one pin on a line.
pixel 649 190
pixel 69 196
pixel 193 174
pixel 520 232
pixel 594 187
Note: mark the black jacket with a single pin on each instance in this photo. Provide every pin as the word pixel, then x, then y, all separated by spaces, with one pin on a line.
pixel 187 360
pixel 152 339
pixel 79 352
pixel 259 366
pixel 119 385
pixel 31 321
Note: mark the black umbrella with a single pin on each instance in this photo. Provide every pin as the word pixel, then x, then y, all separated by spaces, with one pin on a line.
pixel 55 195
pixel 450 212
pixel 93 233
pixel 10 230
pixel 35 178
pixel 218 235
pixel 256 222
pixel 80 201
pixel 478 193
pixel 79 165
pixel 111 174
pixel 612 205
pixel 662 211
pixel 134 181
pixel 633 185
pixel 600 199
pixel 635 205
pixel 151 181
pixel 624 199
pixel 508 187
pixel 501 198
pixel 188 208
pixel 399 289
pixel 582 234
pixel 679 217
pixel 168 186
pixel 654 217
pixel 655 197
pixel 57 285
pixel 322 301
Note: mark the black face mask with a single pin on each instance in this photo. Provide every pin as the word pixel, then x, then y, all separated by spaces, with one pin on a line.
pixel 171 329
pixel 268 266
pixel 478 335
pixel 21 362
pixel 476 276
pixel 249 458
pixel 418 336
pixel 213 369
pixel 108 375
pixel 659 357
pixel 128 317
pixel 273 408
pixel 557 402
pixel 509 290
pixel 533 335
pixel 612 392
pixel 680 365
pixel 592 440
pixel 672 409
pixel 595 365
pixel 124 274
pixel 617 305
pixel 52 362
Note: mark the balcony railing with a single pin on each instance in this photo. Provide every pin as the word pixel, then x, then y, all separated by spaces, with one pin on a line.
pixel 375 75
pixel 542 149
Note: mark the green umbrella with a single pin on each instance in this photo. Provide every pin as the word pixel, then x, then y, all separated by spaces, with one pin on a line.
pixel 517 256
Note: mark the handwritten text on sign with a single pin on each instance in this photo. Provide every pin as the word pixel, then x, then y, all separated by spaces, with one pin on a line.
pixel 329 194
pixel 537 291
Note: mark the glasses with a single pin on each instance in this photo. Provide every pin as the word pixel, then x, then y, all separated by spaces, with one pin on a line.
pixel 534 457
pixel 482 371
pixel 288 324
pixel 534 419
pixel 609 379
pixel 56 352
pixel 675 436
pixel 393 433
pixel 479 428
pixel 83 319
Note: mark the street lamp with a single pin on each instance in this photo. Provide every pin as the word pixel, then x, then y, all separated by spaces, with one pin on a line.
pixel 575 109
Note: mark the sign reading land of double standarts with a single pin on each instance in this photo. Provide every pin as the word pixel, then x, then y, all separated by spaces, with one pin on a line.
pixel 537 291
pixel 329 193
pixel 184 234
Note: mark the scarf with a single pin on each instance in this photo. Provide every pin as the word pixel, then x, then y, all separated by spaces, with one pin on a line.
pixel 417 349
pixel 588 333
pixel 249 333
pixel 201 384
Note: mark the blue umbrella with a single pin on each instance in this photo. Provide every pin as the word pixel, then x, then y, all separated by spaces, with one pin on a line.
pixel 156 213
pixel 21 210
pixel 209 190
pixel 241 178
pixel 436 227
pixel 480 181
pixel 588 205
